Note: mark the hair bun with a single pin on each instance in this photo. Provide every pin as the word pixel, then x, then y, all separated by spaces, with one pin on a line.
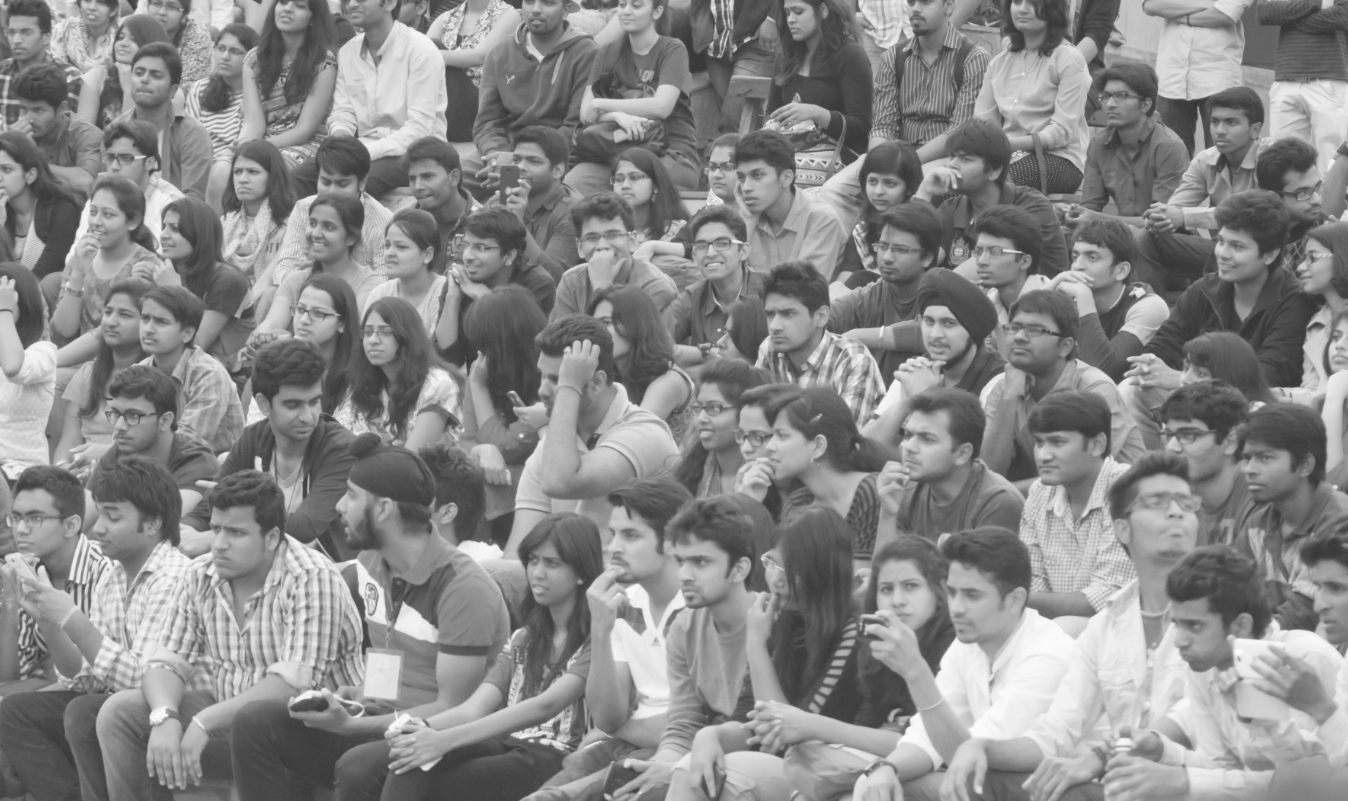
pixel 365 444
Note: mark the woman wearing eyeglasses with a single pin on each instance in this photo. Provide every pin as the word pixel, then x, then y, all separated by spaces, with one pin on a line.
pixel 711 460
pixel 190 37
pixel 411 243
pixel 640 178
pixel 756 478
pixel 1323 272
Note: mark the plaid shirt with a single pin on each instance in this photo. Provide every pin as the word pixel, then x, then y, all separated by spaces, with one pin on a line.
pixel 208 398
pixel 842 365
pixel 130 619
pixel 1070 555
pixel 86 569
pixel 302 626
pixel 10 110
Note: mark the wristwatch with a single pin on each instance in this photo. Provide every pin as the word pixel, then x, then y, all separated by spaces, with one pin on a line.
pixel 163 713
pixel 876 765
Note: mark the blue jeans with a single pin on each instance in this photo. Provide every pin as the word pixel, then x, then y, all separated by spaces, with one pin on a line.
pixel 37 731
pixel 585 771
pixel 124 734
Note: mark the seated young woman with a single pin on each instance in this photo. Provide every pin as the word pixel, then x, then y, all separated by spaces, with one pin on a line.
pixel 746 326
pixel 191 239
pixel 28 367
pixel 890 173
pixel 39 213
pixel 711 460
pixel 411 244
pixel 226 104
pixel 257 203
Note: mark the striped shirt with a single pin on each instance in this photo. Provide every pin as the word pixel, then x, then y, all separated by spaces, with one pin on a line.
pixel 223 126
pixel 842 365
pixel 928 103
pixel 86 569
pixel 1312 40
pixel 302 626
pixel 130 619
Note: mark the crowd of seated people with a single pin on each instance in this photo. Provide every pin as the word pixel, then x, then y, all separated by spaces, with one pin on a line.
pixel 634 400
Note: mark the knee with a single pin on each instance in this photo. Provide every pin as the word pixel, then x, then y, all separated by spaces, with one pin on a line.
pixel 361 771
pixel 119 716
pixel 259 721
pixel 81 718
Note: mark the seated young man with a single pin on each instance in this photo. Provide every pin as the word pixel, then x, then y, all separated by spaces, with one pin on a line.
pixel 1248 295
pixel 70 144
pixel 785 224
pixel 1326 557
pixel 633 605
pixel 1041 361
pixel 103 636
pixel 1116 318
pixel 542 202
pixel 435 178
pixel 314 642
pixel 1078 565
pixel 143 410
pixel 28 38
pixel 801 350
pixel 996 633
pixel 606 231
pixel 185 153
pixel 1006 262
pixel 423 598
pixel 973 181
pixel 941 486
pixel 1202 422
pixel 307 452
pixel 1290 503
pixel 46 519
pixel 1287 168
pixel 697 317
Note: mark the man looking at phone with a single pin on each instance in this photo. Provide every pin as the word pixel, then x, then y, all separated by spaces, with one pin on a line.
pixel 424 600
pixel 607 227
pixel 997 635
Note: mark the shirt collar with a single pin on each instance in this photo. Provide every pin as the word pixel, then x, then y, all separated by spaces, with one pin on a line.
pixel 437 553
pixel 161 555
pixel 54 136
pixel 1251 157
pixel 282 563
pixel 1099 493
pixel 83 562
pixel 394 36
pixel 615 412
pixel 1112 137
pixel 709 299
pixel 547 201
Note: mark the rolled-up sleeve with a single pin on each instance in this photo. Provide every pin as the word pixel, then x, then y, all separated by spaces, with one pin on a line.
pixel 314 634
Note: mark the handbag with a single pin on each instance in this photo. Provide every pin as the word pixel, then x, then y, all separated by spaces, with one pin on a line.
pixel 818 156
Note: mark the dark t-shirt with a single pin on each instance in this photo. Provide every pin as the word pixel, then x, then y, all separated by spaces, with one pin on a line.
pixel 620 73
pixel 224 289
pixel 986 499
pixel 190 460
pixel 1218 526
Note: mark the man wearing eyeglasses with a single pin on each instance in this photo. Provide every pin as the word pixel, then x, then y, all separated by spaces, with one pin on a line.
pixel 1202 423
pixel 1007 260
pixel 607 236
pixel 697 317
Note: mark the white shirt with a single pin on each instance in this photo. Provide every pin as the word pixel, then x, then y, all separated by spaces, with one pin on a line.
pixel 26 401
pixel 208 13
pixel 1334 732
pixel 644 651
pixel 999 701
pixel 1194 63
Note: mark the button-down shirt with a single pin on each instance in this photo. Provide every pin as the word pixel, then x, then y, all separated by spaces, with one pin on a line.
pixel 837 363
pixel 1113 679
pixel 375 99
pixel 1133 180
pixel 131 616
pixel 812 232
pixel 999 699
pixel 72 142
pixel 1071 554
pixel 302 626
pixel 1197 63
pixel 10 110
pixel 185 151
pixel 87 567
pixel 1210 179
pixel 207 397
pixel 928 102
pixel 1026 93
pixel 697 316
pixel 294 253
pixel 888 21
pixel 1235 758
pixel 552 236
pixel 1278 553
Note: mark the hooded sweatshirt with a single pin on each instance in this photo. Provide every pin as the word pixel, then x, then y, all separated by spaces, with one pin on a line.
pixel 518 90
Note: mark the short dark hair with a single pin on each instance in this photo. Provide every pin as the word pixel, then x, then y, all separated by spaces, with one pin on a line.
pixel 1071 410
pixel 1123 491
pixel 1139 77
pixel 603 206
pixel 967 419
pixel 164 52
pixel 502 225
pixel 1293 428
pixel 65 489
pixel 995 552
pixel 146 485
pixel 1015 224
pixel 1232 582
pixel 38 9
pixel 142 135
pixel 1331 546
pixel 1239 98
pixel 769 147
pixel 150 383
pixel 344 155
pixel 1056 305
pixel 798 280
pixel 560 333
pixel 1113 235
pixel 1216 404
pixel 893 158
pixel 1289 154
pixel 657 500
pixel 42 83
pixel 723 214
pixel 920 220
pixel 254 489
pixel 983 139
pixel 287 362
pixel 180 302
pixel 718 520
pixel 458 480
pixel 549 140
pixel 431 148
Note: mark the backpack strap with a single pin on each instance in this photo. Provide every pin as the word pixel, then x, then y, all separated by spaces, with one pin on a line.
pixel 961 55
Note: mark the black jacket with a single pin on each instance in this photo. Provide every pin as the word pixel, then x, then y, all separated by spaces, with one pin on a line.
pixel 55 221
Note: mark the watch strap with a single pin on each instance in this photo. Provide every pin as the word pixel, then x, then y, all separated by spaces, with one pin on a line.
pixel 876 765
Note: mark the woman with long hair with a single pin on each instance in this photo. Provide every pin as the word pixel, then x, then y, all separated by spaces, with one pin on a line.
pixel 890 173
pixel 399 388
pixel 191 240
pixel 530 712
pixel 661 219
pixel 105 90
pixel 1323 272
pixel 755 478
pixel 643 353
pixel 257 203
pixel 1226 356
pixel 192 39
pixel 817 449
pixel 225 104
pixel 1036 91
pixel 85 432
pixel 411 243
pixel 1334 412
pixel 711 461
pixel 746 326
pixel 39 213
pixel 501 327
pixel 296 74
pixel 117 246
pixel 28 364
pixel 85 40
pixel 470 30
pixel 801 643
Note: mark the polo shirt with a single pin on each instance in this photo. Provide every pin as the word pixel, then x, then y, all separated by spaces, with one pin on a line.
pixel 446 604
pixel 957 221
pixel 1133 180
pixel 812 232
pixel 697 316
pixel 638 640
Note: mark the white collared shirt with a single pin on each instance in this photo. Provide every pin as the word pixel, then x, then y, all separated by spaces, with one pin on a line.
pixel 644 651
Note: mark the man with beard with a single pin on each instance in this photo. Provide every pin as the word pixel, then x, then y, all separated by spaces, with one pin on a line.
pixel 424 599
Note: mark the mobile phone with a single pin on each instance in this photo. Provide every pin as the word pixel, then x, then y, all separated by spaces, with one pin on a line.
pixel 872 620
pixel 509 179
pixel 21 566
pixel 514 397
pixel 308 701
pixel 1244 654
pixel 619 776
